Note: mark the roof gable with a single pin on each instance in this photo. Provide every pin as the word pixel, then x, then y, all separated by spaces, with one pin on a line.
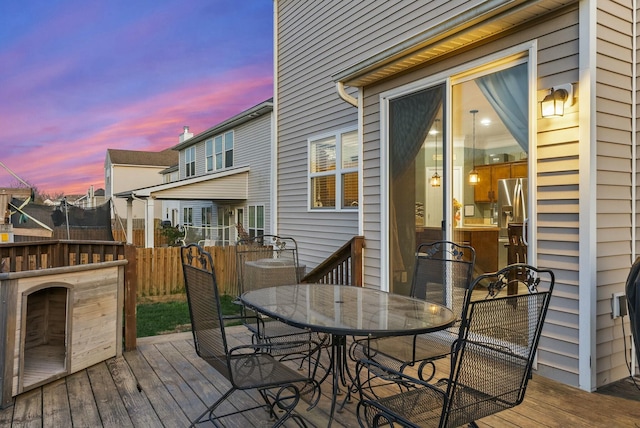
pixel 166 158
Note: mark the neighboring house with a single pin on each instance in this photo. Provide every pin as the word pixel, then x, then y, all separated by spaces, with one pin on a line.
pixel 224 180
pixel 129 169
pixel 91 199
pixel 412 83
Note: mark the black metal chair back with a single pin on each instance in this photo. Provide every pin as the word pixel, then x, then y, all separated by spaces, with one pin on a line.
pixel 267 261
pixel 251 366
pixel 499 335
pixel 442 273
pixel 204 308
pixel 632 291
pixel 491 360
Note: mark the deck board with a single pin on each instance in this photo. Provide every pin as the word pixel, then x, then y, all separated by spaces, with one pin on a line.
pixel 82 403
pixel 55 405
pixel 164 383
pixel 156 392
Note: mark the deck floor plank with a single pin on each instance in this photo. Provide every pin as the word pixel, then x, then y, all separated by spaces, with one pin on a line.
pixel 138 406
pixel 212 385
pixel 55 405
pixel 165 383
pixel 113 412
pixel 191 404
pixel 165 406
pixel 82 404
pixel 27 412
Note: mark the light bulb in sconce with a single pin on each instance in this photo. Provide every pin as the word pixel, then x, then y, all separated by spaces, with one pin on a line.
pixel 435 178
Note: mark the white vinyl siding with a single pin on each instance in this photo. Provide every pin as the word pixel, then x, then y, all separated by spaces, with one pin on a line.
pixel 337 35
pixel 253 147
pixel 614 181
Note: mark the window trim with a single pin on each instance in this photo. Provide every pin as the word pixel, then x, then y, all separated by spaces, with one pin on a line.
pixel 209 155
pixel 222 154
pixel 190 164
pixel 255 228
pixel 338 172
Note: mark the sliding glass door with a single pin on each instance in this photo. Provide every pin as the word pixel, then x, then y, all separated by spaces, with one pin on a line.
pixel 458 167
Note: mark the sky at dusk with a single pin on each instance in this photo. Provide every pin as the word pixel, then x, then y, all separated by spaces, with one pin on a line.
pixel 80 76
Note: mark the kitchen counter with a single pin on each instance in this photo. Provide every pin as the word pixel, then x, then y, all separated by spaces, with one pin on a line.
pixel 478 227
pixel 483 238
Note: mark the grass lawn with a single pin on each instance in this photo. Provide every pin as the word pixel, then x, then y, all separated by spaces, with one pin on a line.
pixel 171 317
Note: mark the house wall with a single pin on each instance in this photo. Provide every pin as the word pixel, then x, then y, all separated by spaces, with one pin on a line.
pixel 252 147
pixel 129 177
pixel 614 102
pixel 315 40
pixel 557 180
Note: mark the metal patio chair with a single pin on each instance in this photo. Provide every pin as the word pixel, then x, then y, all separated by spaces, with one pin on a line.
pixel 246 367
pixel 268 261
pixel 491 359
pixel 442 274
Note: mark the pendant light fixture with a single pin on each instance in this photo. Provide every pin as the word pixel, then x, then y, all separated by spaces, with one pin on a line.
pixel 473 174
pixel 435 179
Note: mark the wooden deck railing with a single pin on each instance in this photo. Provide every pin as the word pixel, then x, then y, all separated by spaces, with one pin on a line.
pixel 38 255
pixel 23 256
pixel 344 267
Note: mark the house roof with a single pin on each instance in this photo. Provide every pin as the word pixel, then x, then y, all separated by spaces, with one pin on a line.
pixel 472 25
pixel 247 115
pixel 228 185
pixel 164 158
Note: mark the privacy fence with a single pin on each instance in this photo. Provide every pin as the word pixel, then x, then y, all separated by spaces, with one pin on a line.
pixel 159 271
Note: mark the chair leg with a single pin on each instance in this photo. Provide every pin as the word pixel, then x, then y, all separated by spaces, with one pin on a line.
pixel 211 408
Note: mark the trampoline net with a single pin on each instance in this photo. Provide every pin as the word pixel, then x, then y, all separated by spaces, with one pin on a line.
pixel 92 224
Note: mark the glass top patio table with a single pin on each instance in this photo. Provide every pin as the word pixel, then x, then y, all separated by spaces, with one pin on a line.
pixel 342 311
pixel 348 311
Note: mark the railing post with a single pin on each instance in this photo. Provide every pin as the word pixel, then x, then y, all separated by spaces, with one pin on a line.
pixel 130 290
pixel 356 261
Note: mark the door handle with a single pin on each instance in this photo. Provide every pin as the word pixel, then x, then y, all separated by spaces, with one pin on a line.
pixel 524 232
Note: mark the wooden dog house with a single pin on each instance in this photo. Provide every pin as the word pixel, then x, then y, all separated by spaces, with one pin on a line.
pixel 57 321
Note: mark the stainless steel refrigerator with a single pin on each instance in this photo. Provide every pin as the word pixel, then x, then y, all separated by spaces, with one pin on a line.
pixel 513 197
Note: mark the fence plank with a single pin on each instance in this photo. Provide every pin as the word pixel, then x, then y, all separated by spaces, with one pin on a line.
pixel 159 270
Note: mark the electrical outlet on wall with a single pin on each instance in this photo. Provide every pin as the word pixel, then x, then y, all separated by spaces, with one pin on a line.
pixel 618 305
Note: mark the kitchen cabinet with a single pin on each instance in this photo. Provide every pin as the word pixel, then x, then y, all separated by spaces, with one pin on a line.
pixel 484 241
pixel 519 169
pixel 487 188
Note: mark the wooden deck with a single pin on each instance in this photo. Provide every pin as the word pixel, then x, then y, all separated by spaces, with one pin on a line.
pixel 164 383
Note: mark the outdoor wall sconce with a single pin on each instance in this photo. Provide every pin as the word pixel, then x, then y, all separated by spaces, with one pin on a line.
pixel 553 104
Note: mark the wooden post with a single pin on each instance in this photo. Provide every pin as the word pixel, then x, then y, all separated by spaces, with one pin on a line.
pixel 356 261
pixel 130 289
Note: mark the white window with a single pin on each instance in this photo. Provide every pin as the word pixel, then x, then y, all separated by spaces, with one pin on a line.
pixel 190 162
pixel 223 150
pixel 207 216
pixel 333 171
pixel 187 218
pixel 209 154
pixel 256 220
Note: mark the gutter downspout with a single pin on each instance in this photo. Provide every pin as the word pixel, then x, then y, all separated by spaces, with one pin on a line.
pixel 346 97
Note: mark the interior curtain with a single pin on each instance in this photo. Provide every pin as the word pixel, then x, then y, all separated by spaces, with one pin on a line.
pixel 410 119
pixel 508 93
